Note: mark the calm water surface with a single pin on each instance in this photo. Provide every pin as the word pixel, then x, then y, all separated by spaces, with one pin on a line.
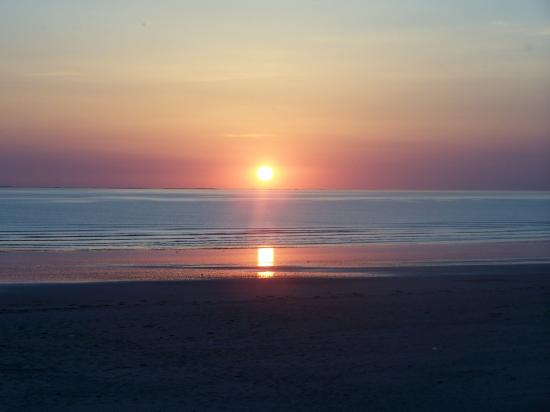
pixel 131 219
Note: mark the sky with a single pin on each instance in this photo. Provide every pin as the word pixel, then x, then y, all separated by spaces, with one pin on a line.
pixel 339 94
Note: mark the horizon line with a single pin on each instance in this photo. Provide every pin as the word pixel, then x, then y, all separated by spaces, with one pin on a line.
pixel 271 188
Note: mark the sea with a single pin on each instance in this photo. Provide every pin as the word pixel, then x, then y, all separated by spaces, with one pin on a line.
pixel 113 219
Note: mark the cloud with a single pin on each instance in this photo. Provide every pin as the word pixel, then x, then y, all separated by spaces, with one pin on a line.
pixel 60 73
pixel 509 27
pixel 247 135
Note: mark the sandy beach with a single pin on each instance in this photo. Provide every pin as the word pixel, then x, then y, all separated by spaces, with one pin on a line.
pixel 444 342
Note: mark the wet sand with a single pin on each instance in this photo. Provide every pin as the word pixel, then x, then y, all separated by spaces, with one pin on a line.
pixel 327 261
pixel 426 343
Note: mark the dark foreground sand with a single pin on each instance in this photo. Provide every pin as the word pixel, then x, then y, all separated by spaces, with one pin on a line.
pixel 450 343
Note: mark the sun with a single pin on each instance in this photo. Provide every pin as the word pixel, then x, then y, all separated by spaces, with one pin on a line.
pixel 265 173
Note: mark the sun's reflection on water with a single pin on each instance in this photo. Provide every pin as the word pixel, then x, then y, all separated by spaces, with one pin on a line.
pixel 266 258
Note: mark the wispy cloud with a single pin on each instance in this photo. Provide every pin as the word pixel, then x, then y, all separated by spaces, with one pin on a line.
pixel 510 27
pixel 56 73
pixel 247 135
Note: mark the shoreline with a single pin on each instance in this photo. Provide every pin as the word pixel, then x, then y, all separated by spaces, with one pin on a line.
pixel 335 274
pixel 270 262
